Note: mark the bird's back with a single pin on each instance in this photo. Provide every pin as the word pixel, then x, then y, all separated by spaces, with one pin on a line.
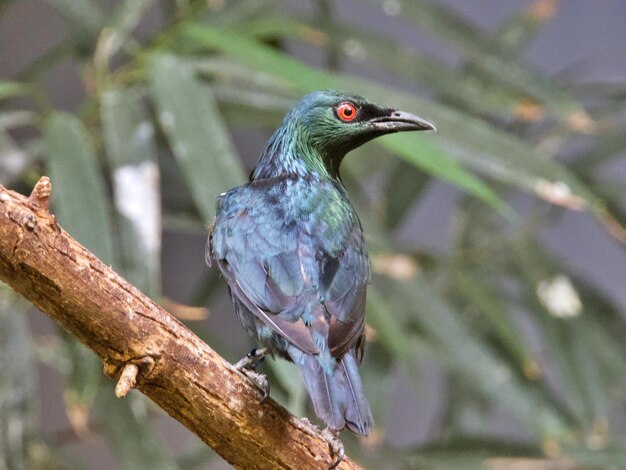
pixel 302 234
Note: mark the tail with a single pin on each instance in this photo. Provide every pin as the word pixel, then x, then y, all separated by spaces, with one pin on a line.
pixel 338 399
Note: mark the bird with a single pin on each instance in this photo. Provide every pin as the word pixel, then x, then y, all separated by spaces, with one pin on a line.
pixel 291 248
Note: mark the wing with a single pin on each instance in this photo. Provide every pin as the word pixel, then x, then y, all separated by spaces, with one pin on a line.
pixel 262 268
pixel 288 279
pixel 344 280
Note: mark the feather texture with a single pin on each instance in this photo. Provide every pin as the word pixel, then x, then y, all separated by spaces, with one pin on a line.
pixel 291 248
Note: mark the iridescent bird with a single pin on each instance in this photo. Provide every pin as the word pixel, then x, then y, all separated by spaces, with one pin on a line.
pixel 291 248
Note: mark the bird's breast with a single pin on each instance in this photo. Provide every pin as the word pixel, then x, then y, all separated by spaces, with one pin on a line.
pixel 315 214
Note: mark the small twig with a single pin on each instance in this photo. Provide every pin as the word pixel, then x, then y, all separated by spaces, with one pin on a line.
pixel 127 380
pixel 39 198
pixel 130 374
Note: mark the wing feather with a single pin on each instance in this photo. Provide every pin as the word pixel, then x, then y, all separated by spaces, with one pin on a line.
pixel 283 272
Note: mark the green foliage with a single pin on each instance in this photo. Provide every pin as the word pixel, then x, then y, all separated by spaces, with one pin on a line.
pixel 510 327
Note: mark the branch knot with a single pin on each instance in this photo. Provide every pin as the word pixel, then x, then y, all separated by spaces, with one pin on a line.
pixel 131 372
pixel 39 198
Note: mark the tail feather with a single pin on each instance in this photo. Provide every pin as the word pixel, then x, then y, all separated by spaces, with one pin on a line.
pixel 358 414
pixel 338 399
pixel 325 392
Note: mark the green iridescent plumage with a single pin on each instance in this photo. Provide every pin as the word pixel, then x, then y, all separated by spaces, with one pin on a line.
pixel 292 250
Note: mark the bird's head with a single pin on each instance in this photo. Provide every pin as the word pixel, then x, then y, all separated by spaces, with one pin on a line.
pixel 327 124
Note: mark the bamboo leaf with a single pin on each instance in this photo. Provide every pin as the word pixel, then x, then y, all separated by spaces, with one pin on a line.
pixel 461 136
pixel 521 29
pixel 478 292
pixel 129 432
pixel 536 270
pixel 360 46
pixel 490 57
pixel 400 341
pixel 123 21
pixel 430 159
pixel 405 186
pixel 78 194
pixel 86 15
pixel 198 138
pixel 13 160
pixel 12 89
pixel 18 391
pixel 287 374
pixel 309 79
pixel 83 378
pixel 475 363
pixel 14 119
pixel 129 139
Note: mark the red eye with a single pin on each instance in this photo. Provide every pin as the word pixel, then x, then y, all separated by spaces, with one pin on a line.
pixel 346 112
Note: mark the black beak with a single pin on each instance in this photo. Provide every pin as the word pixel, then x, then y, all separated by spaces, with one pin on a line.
pixel 398 121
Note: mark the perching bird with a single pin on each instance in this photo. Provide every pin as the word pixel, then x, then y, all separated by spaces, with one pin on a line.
pixel 291 248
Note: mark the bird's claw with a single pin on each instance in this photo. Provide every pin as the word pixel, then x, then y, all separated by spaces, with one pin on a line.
pixel 260 380
pixel 247 367
pixel 252 359
pixel 336 446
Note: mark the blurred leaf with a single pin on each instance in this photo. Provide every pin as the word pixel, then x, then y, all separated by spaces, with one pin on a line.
pixel 360 46
pixel 405 186
pixel 18 391
pixel 196 457
pixel 603 338
pixel 123 21
pixel 86 15
pixel 13 119
pixel 473 360
pixel 607 148
pixel 11 89
pixel 430 159
pixel 129 139
pixel 129 432
pixel 590 376
pixel 504 157
pixel 78 195
pixel 609 457
pixel 128 15
pixel 310 79
pixel 493 152
pixel 522 28
pixel 13 160
pixel 394 333
pixel 467 453
pixel 82 372
pixel 288 376
pixel 82 380
pixel 227 71
pixel 480 293
pixel 561 335
pixel 390 325
pixel 240 11
pixel 489 56
pixel 198 138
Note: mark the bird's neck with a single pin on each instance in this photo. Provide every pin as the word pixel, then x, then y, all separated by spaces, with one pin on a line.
pixel 288 152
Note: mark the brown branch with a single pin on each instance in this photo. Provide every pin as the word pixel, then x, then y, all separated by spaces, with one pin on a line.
pixel 146 346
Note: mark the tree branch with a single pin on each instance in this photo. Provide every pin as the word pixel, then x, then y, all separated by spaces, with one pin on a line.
pixel 145 345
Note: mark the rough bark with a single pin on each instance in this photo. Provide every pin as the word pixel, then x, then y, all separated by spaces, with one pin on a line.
pixel 149 348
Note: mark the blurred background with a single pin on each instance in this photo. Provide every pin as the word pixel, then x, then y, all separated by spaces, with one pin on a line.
pixel 496 316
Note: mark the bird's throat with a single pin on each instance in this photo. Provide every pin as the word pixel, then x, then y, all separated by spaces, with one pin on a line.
pixel 288 152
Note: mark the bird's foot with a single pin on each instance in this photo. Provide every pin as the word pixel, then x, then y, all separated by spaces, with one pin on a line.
pixel 247 366
pixel 252 359
pixel 336 446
